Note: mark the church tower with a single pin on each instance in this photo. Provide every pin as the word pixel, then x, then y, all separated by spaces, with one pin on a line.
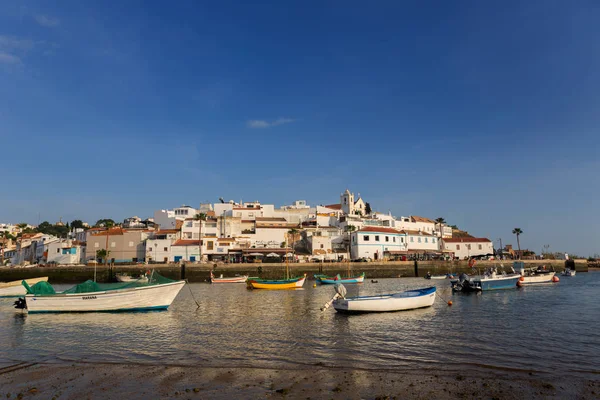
pixel 347 202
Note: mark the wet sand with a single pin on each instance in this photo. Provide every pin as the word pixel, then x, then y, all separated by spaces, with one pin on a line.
pixel 132 381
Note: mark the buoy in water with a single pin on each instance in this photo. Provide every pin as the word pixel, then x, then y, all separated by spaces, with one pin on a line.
pixel 522 278
pixel 314 285
pixel 555 278
pixel 449 302
pixel 519 283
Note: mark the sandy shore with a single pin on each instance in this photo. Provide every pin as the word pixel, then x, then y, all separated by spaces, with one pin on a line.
pixel 119 381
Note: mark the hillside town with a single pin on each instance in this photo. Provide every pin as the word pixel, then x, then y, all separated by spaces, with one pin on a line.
pixel 234 232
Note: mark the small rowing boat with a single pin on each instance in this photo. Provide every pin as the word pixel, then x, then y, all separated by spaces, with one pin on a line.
pixel 235 279
pixel 15 288
pixel 129 278
pixel 292 283
pixel 332 280
pixel 447 276
pixel 403 301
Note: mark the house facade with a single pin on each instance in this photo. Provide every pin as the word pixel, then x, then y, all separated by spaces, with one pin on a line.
pixel 124 245
pixel 65 252
pixel 377 243
pixel 466 247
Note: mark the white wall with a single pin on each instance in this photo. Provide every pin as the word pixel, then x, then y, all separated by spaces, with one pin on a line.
pixel 360 247
pixel 422 242
pixel 155 249
pixel 464 250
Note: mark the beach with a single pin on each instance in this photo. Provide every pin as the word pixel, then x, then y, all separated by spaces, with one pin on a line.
pixel 111 381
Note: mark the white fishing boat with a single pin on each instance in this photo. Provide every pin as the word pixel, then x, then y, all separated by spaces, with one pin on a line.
pixel 408 300
pixel 234 279
pixel 15 288
pixel 569 272
pixel 157 294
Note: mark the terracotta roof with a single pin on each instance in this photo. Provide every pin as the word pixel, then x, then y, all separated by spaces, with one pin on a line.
pixel 110 232
pixel 185 242
pixel 379 230
pixel 334 206
pixel 417 233
pixel 96 229
pixel 466 240
pixel 165 231
pixel 421 219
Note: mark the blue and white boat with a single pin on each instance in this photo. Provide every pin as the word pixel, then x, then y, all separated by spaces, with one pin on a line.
pixel 408 300
pixel 491 280
pixel 332 280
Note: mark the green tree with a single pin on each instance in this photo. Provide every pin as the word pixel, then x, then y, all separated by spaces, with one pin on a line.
pixel 77 224
pixel 102 254
pixel 368 209
pixel 105 222
pixel 200 217
pixel 293 232
pixel 22 225
pixel 518 232
pixel 349 228
pixel 440 221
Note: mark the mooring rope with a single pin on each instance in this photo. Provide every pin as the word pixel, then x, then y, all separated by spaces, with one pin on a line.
pixel 192 293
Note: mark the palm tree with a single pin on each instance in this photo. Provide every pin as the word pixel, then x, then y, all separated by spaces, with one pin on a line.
pixel 518 232
pixel 200 217
pixel 440 221
pixel 293 232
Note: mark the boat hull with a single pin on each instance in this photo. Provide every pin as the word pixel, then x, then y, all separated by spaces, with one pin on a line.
pixel 568 272
pixel 538 278
pixel 499 282
pixel 409 300
pixel 236 279
pixel 276 285
pixel 15 288
pixel 143 298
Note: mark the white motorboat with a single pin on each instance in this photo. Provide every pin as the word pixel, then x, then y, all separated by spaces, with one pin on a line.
pixel 408 300
pixel 569 272
pixel 128 278
pixel 15 288
pixel 234 279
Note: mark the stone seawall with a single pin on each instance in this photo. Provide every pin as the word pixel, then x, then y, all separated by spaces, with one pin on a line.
pixel 201 272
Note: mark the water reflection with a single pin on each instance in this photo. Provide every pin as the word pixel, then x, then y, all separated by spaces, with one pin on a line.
pixel 545 328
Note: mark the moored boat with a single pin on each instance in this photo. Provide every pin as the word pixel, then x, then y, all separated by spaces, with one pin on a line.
pixel 569 272
pixel 15 288
pixel 447 276
pixel 234 279
pixel 156 294
pixel 332 280
pixel 403 301
pixel 291 283
pixel 129 278
pixel 491 280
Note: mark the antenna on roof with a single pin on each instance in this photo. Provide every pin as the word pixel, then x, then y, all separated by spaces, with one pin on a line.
pixel 221 200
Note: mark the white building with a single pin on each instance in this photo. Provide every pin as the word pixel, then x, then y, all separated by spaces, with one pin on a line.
pixel 158 245
pixel 420 242
pixel 377 243
pixel 167 219
pixel 66 252
pixel 464 248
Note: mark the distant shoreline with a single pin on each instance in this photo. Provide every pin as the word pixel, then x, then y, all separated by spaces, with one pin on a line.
pixel 201 272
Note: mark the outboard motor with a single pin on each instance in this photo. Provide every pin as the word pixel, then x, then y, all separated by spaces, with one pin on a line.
pixel 20 304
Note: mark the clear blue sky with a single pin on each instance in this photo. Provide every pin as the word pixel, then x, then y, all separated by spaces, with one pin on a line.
pixel 484 114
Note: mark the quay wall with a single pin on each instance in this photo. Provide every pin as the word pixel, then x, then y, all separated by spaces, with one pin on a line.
pixel 196 272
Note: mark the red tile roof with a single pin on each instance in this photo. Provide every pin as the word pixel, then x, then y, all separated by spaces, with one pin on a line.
pixel 378 229
pixel 421 219
pixel 185 242
pixel 466 240
pixel 334 206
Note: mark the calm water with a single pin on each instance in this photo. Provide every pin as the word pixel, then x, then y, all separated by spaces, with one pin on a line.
pixel 553 328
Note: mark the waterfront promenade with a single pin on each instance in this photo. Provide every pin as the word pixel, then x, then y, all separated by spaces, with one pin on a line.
pixel 196 272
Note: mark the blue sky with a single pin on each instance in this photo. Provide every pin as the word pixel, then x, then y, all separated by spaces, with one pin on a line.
pixel 484 114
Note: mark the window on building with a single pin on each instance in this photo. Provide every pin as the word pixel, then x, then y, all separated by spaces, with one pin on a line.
pixel 113 244
pixel 419 240
pixel 458 247
pixel 432 240
pixel 322 246
pixel 96 245
pixel 58 250
pixel 377 238
pixel 150 249
pixel 412 239
pixel 165 249
pixel 130 244
pixel 394 239
pixel 366 238
pixel 480 247
pixel 353 239
pixel 210 245
pixel 469 246
pixel 426 241
pixel 387 238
